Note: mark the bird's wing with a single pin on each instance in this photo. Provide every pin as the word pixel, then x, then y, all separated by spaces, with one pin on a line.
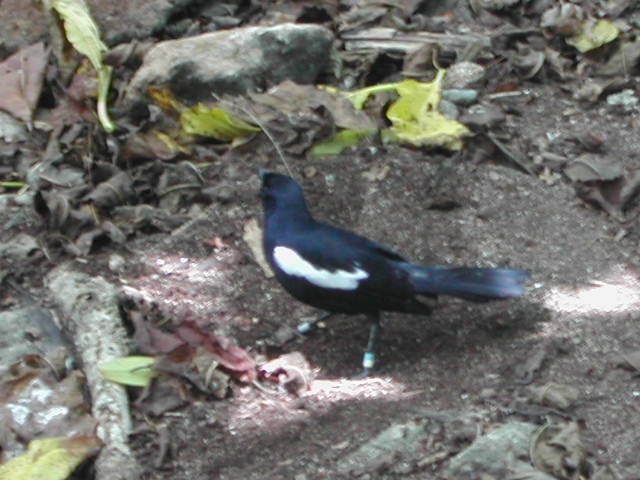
pixel 337 238
pixel 334 258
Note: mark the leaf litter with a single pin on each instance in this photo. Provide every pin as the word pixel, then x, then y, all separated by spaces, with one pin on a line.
pixel 148 187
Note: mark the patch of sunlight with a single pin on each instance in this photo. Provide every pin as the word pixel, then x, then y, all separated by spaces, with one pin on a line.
pixel 272 414
pixel 614 292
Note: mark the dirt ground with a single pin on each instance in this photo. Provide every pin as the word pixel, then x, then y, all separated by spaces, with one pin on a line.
pixel 574 326
pixel 579 312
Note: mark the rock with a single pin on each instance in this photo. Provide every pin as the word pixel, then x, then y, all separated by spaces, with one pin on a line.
pixel 19 248
pixel 11 129
pixel 449 109
pixel 125 20
pixel 463 74
pixel 482 116
pixel 495 453
pixel 24 23
pixel 38 324
pixel 117 263
pixel 460 96
pixel 385 450
pixel 626 99
pixel 233 62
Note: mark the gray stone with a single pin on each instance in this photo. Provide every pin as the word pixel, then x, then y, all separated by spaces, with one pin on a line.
pixel 24 23
pixel 19 247
pixel 18 325
pixel 494 453
pixel 11 129
pixel 233 62
pixel 626 98
pixel 385 450
pixel 125 20
pixel 460 96
pixel 463 74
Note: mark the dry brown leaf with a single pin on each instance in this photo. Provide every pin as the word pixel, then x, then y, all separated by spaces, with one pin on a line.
pixel 555 395
pixel 253 238
pixel 21 77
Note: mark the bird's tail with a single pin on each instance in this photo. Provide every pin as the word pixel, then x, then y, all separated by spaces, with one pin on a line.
pixel 475 284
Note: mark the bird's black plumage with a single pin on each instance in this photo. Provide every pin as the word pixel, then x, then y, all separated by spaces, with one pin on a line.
pixel 338 271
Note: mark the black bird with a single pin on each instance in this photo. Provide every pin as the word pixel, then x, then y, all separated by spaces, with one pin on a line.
pixel 340 272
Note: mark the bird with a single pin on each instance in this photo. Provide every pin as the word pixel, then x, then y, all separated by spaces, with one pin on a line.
pixel 341 272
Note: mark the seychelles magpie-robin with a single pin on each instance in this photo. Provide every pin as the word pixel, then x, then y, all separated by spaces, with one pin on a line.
pixel 340 272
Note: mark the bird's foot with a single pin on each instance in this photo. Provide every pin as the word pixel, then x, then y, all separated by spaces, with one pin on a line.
pixel 306 328
pixel 368 362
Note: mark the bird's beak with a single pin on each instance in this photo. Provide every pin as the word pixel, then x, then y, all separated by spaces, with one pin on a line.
pixel 263 173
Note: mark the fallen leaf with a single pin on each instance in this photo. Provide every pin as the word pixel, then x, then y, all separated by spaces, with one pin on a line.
pixel 342 140
pixel 21 77
pixel 215 123
pixel 593 34
pixel 557 449
pixel 50 458
pixel 377 173
pixel 117 190
pixel 223 348
pixel 591 167
pixel 290 371
pixel 82 32
pixel 416 120
pixel 149 339
pixel 555 395
pixel 198 366
pixel 632 359
pixel 135 371
pixel 253 238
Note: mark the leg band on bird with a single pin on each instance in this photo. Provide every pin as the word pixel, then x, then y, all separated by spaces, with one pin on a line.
pixel 369 358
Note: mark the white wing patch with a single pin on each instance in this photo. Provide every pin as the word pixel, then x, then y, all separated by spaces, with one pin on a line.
pixel 293 264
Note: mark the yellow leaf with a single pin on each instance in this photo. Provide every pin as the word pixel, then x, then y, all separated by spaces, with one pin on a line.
pixel 359 97
pixel 594 34
pixel 214 122
pixel 165 99
pixel 50 458
pixel 433 130
pixel 173 146
pixel 342 140
pixel 416 119
pixel 414 116
pixel 136 371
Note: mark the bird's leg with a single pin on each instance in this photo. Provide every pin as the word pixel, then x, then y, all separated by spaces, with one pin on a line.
pixel 307 327
pixel 369 357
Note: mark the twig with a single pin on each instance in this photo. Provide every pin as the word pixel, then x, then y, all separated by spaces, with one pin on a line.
pixel 257 121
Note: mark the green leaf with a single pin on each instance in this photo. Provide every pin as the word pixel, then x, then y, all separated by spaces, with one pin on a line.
pixel 136 371
pixel 214 122
pixel 82 32
pixel 342 140
pixel 12 184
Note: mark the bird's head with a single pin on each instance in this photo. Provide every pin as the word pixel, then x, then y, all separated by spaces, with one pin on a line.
pixel 281 192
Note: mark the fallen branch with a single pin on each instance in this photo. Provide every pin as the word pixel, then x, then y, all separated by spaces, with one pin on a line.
pixel 392 39
pixel 90 316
